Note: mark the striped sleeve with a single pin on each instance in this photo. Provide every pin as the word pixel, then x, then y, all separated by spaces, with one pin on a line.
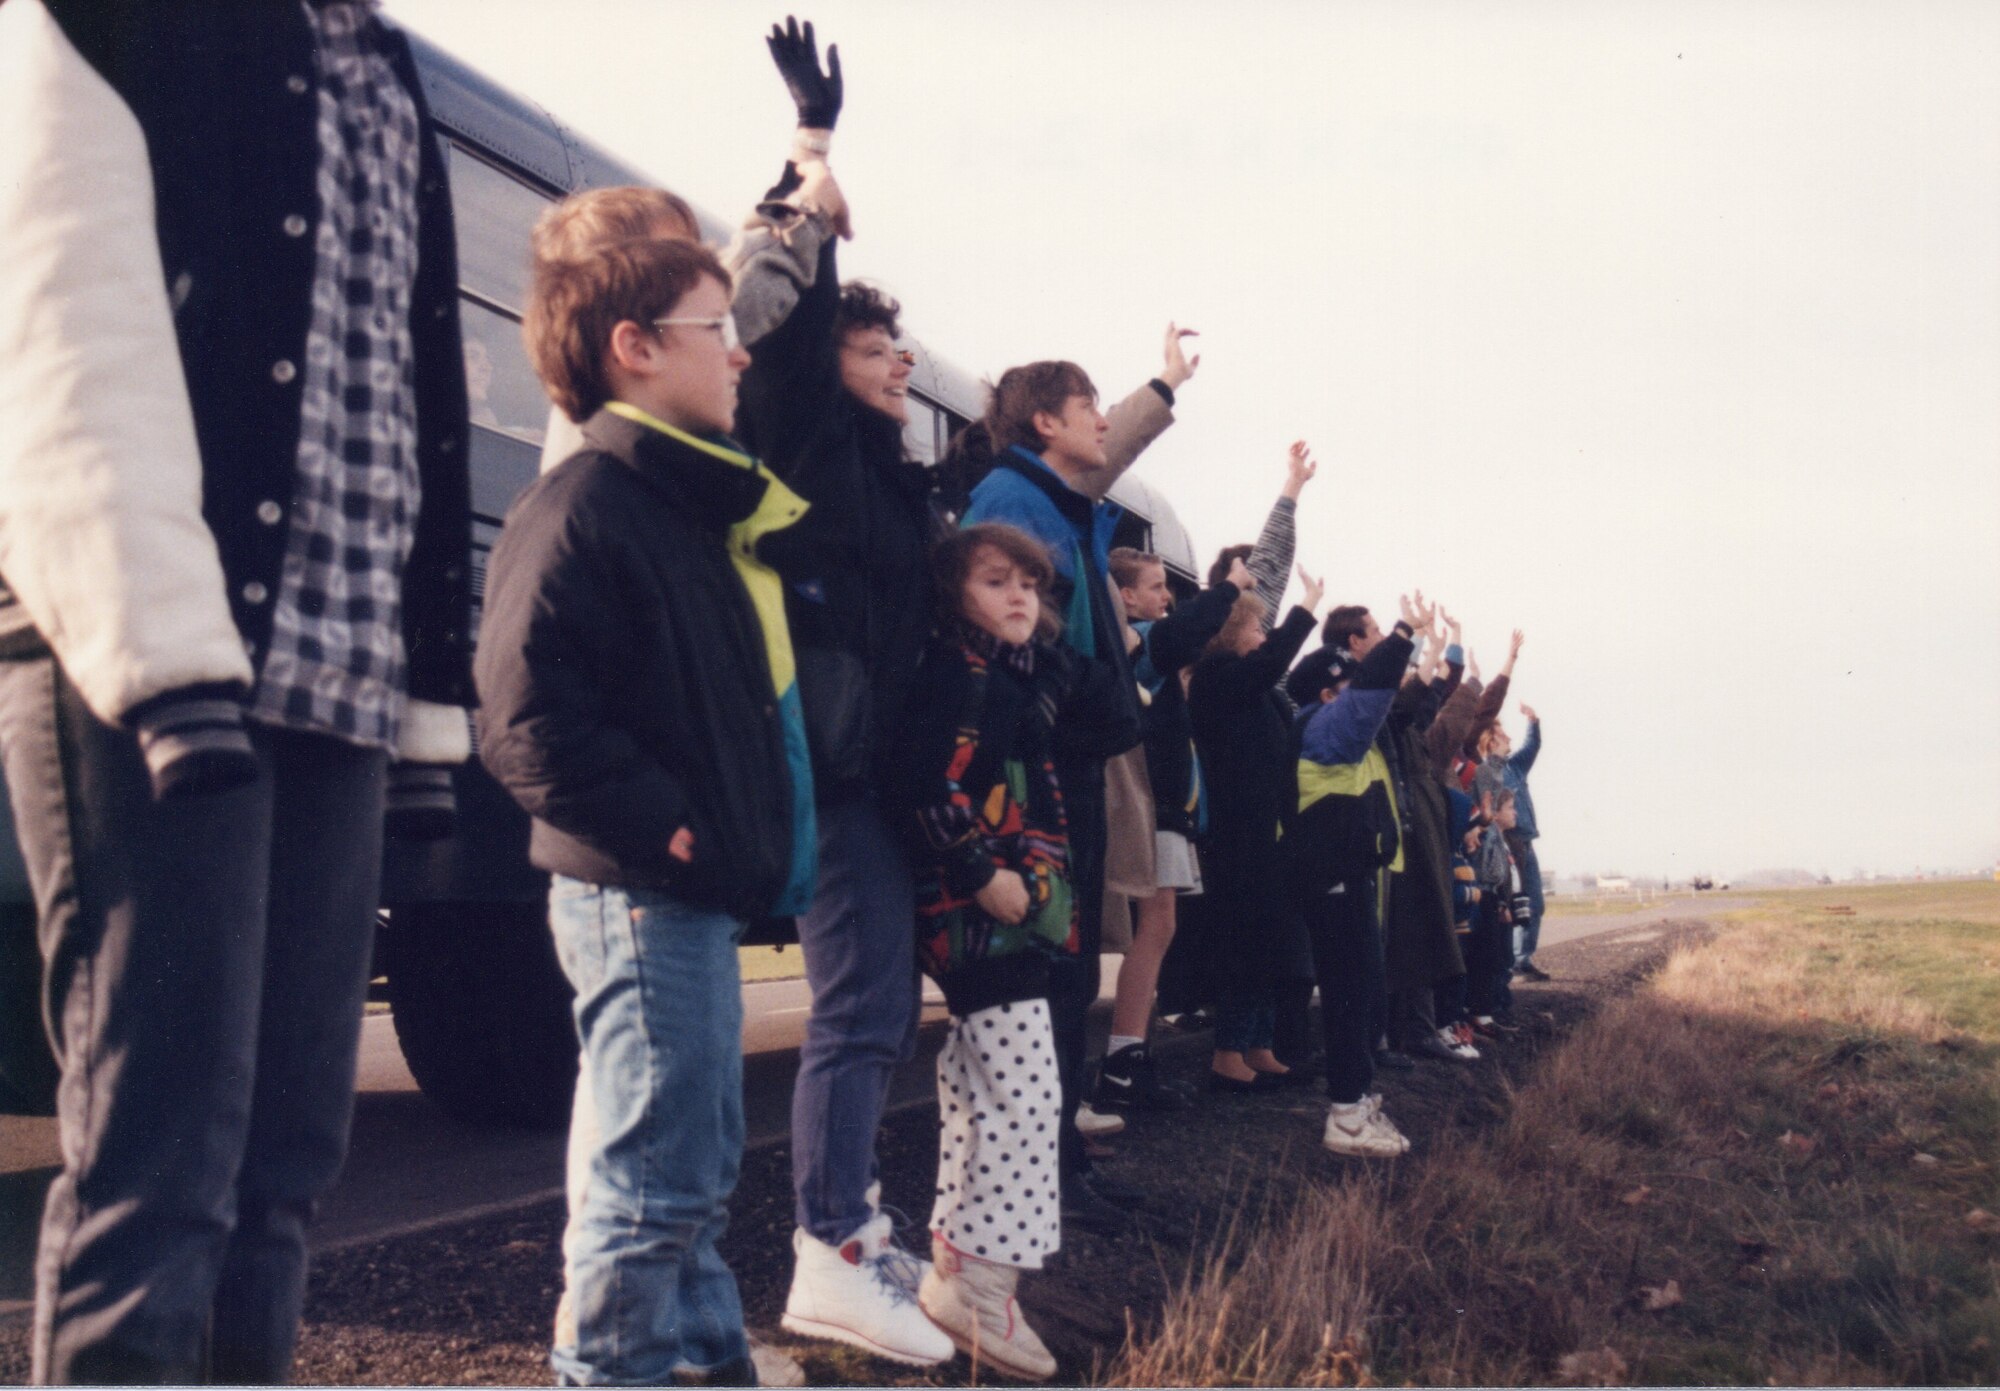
pixel 1270 563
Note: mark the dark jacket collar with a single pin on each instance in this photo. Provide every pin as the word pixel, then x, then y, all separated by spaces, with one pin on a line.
pixel 712 479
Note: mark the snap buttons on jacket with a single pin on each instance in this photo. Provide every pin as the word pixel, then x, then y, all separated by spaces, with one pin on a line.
pixel 283 371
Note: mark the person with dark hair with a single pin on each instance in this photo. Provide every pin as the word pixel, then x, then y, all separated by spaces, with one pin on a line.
pixel 1055 462
pixel 1242 726
pixel 824 405
pixel 234 511
pixel 1341 842
pixel 977 794
pixel 1172 638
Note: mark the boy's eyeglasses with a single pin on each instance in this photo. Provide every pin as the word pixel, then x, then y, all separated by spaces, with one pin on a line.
pixel 724 324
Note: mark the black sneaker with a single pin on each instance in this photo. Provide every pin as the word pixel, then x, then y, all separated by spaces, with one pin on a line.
pixel 1528 970
pixel 1128 1078
pixel 1395 1059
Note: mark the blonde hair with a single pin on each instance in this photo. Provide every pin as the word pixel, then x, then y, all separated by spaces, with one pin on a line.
pixel 580 226
pixel 1246 615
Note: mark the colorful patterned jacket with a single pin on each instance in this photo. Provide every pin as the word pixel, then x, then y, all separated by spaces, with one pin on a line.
pixel 977 793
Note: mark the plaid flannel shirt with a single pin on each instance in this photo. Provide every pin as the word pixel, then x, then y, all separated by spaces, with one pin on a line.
pixel 336 663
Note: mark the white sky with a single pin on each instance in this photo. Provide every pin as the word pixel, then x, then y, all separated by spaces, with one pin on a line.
pixel 1667 332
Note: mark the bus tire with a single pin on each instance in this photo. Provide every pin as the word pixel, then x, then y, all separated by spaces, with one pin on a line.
pixel 27 1066
pixel 482 1012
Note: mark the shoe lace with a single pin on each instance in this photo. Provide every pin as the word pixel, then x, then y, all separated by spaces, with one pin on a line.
pixel 895 1263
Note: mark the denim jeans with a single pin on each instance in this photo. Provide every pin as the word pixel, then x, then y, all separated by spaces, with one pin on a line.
pixel 859 941
pixel 207 960
pixel 659 1006
pixel 1531 884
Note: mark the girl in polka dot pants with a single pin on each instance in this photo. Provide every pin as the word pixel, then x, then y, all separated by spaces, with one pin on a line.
pixel 977 777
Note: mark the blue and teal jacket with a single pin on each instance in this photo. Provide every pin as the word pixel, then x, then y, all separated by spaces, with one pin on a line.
pixel 1512 773
pixel 1024 492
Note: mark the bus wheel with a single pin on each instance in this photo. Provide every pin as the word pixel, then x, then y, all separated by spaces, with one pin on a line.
pixel 27 1067
pixel 482 1011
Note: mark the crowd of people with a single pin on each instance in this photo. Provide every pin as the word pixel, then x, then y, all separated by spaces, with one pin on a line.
pixel 740 656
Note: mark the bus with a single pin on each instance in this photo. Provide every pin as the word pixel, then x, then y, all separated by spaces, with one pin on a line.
pixel 463 955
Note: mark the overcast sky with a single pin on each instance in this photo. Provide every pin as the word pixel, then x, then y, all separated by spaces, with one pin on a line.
pixel 1667 332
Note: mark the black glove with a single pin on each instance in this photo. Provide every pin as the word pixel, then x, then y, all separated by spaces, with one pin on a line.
pixel 816 95
pixel 419 802
pixel 194 741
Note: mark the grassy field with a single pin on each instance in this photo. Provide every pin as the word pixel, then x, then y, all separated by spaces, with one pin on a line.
pixel 1779 1161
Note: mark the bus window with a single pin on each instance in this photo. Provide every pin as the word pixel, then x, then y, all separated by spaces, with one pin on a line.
pixel 494 213
pixel 500 386
pixel 920 436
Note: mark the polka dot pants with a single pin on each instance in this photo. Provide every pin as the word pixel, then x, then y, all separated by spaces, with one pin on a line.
pixel 1000 1105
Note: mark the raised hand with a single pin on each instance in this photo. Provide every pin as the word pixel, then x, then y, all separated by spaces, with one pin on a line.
pixel 1450 623
pixel 1005 897
pixel 1300 466
pixel 1471 666
pixel 819 192
pixel 1179 366
pixel 816 95
pixel 1421 615
pixel 1514 647
pixel 1240 576
pixel 1315 590
pixel 1528 713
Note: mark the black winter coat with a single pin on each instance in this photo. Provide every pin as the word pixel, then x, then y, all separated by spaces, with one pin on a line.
pixel 625 684
pixel 1242 726
pixel 856 567
pixel 228 98
pixel 1171 644
pixel 1420 947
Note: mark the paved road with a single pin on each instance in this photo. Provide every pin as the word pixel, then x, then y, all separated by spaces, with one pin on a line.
pixel 410 1167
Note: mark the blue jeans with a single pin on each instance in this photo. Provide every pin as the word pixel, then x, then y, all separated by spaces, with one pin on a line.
pixel 1531 885
pixel 859 940
pixel 659 1005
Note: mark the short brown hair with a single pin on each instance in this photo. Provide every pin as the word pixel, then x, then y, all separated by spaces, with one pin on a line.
pixel 1344 624
pixel 581 226
pixel 951 565
pixel 1023 391
pixel 1128 566
pixel 1219 571
pixel 573 305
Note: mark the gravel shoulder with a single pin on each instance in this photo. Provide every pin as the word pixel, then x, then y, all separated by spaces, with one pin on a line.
pixel 470 1303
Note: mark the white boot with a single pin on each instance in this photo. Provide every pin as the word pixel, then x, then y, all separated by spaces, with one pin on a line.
pixel 850 1293
pixel 973 1301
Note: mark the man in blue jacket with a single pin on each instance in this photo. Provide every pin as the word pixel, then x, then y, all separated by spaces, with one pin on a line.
pixel 1045 421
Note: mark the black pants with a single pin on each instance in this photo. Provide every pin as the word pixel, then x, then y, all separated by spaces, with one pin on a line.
pixel 1491 959
pixel 1346 935
pixel 1074 981
pixel 207 961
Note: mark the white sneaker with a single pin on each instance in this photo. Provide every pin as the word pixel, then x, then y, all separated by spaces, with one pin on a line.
pixel 1357 1129
pixel 1383 1125
pixel 1461 1050
pixel 850 1294
pixel 973 1301
pixel 1096 1122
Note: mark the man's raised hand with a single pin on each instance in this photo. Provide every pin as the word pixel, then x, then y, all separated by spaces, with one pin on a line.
pixel 1315 590
pixel 1528 713
pixel 1179 366
pixel 816 95
pixel 1451 624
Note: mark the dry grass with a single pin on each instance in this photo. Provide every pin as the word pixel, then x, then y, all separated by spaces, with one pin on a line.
pixel 1791 1124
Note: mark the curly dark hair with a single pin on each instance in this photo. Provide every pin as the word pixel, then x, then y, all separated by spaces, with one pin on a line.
pixel 862 306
